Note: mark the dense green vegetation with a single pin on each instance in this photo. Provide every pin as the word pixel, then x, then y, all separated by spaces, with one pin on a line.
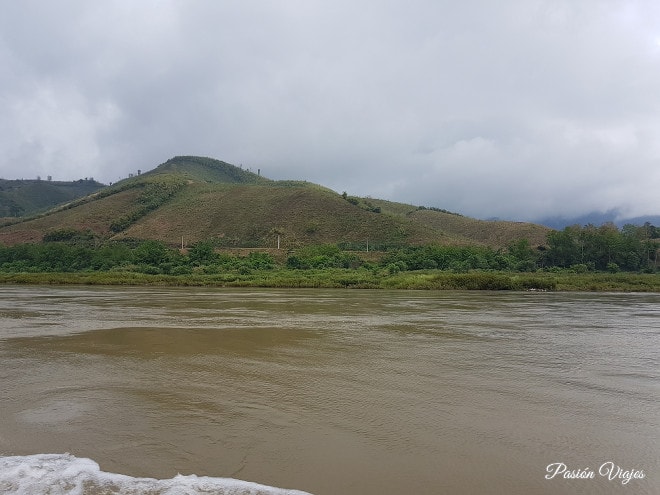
pixel 606 247
pixel 20 198
pixel 585 258
pixel 577 249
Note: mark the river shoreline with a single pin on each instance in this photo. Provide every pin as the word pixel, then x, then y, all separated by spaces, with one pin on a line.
pixel 359 279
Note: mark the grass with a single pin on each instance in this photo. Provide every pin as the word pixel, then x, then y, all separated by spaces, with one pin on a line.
pixel 360 279
pixel 490 233
pixel 605 282
pixel 469 281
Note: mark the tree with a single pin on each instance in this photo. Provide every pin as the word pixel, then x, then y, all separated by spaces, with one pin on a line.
pixel 152 253
pixel 202 253
pixel 525 256
pixel 563 248
pixel 15 210
pixel 601 248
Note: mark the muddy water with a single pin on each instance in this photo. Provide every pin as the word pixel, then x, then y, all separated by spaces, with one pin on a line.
pixel 339 392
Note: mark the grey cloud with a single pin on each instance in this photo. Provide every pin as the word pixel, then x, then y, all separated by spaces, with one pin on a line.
pixel 517 109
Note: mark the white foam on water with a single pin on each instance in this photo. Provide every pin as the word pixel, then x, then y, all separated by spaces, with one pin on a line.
pixel 65 474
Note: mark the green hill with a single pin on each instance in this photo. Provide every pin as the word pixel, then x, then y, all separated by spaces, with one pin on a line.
pixel 202 169
pixel 193 199
pixel 27 197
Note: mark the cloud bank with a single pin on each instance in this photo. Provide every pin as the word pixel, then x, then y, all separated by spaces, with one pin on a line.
pixel 516 109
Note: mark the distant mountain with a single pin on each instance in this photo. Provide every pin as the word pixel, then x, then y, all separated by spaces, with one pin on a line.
pixel 26 197
pixel 194 198
pixel 598 219
pixel 652 219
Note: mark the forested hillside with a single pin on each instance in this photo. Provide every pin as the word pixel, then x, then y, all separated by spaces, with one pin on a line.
pixel 20 198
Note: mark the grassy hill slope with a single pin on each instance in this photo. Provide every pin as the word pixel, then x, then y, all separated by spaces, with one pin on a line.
pixel 254 215
pixel 490 233
pixel 200 199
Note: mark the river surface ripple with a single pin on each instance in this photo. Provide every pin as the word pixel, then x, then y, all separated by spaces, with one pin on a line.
pixel 337 391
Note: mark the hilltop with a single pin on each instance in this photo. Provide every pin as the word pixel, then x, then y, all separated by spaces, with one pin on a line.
pixel 194 198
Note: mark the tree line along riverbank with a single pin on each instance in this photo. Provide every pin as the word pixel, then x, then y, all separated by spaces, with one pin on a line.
pixel 603 259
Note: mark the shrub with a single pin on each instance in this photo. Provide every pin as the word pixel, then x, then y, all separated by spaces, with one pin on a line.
pixel 202 253
pixel 612 267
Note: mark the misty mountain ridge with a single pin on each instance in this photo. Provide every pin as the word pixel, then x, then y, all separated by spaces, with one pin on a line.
pixel 597 218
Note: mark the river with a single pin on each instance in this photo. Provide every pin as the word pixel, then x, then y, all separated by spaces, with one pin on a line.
pixel 351 392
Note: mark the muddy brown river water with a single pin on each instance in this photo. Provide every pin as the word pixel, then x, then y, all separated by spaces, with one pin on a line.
pixel 330 391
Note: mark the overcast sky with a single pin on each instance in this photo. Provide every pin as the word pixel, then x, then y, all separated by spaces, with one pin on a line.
pixel 516 109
